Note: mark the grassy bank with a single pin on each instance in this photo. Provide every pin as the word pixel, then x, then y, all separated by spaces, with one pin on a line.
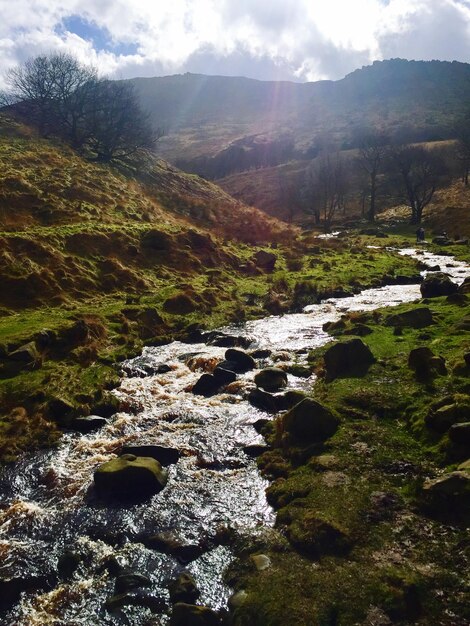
pixel 356 540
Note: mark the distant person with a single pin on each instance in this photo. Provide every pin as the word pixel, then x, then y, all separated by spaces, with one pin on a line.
pixel 420 235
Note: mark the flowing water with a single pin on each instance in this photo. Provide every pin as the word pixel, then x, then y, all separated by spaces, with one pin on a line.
pixel 49 508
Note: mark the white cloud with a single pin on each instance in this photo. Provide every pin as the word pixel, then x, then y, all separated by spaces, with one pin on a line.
pixel 297 39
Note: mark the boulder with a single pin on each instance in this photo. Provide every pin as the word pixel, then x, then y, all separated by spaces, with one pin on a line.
pixel 441 240
pixel 136 598
pixel 217 338
pixel 183 589
pixel 192 615
pixel 241 361
pixel 207 386
pixel 264 400
pixel 129 476
pixel 442 418
pixel 448 494
pixel 465 286
pixel 169 543
pixel 415 318
pixel 271 379
pixel 163 454
pixel 426 364
pixel 348 358
pixel 310 422
pixel 255 450
pixel 460 433
pixel 88 424
pixel 130 581
pixel 437 284
pixel 316 537
pixel 224 376
pixel 265 260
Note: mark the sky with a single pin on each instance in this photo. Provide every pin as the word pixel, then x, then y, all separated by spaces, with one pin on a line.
pixel 300 40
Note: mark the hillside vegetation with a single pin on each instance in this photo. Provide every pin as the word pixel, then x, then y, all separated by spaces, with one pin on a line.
pixel 95 263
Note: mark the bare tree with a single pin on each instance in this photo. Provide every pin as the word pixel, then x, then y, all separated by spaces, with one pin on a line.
pixel 118 127
pixel 100 117
pixel 372 153
pixel 420 170
pixel 462 132
pixel 326 187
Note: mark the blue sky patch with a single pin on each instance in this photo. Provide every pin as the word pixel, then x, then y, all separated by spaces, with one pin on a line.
pixel 100 37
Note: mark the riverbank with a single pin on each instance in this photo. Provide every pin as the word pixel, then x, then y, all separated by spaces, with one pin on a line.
pixel 370 530
pixel 58 361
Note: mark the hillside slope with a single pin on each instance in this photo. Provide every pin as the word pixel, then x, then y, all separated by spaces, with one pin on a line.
pixel 216 125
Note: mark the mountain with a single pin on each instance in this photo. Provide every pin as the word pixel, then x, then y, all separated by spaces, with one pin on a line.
pixel 216 125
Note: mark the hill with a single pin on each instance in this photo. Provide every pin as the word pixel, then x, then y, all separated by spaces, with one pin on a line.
pixel 218 125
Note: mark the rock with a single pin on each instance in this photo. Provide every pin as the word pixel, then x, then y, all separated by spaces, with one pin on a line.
pixel 309 422
pixel 237 600
pixel 169 543
pixel 300 371
pixel 261 353
pixel 261 561
pixel 59 409
pixel 442 418
pixel 191 615
pixel 12 588
pixel 26 357
pixel 67 564
pixel 183 589
pixel 448 494
pixel 271 379
pixel 465 286
pixel 442 240
pixel 360 330
pixel 316 537
pixel 224 376
pixel 216 338
pixel 291 398
pixel 88 424
pixel 265 260
pixel 264 400
pixel 349 358
pixel 373 232
pixel 242 361
pixel 465 466
pixel 460 433
pixel 459 299
pixel 129 476
pixel 130 581
pixel 256 449
pixel 415 318
pixel 437 284
pixel 163 454
pixel 425 364
pixel 207 386
pixel 137 598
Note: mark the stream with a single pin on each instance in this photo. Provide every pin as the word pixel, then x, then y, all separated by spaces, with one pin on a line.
pixel 49 508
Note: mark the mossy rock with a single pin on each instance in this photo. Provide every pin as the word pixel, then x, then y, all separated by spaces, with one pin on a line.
pixel 192 615
pixel 129 476
pixel 316 537
pixel 271 379
pixel 348 358
pixel 437 284
pixel 310 422
pixel 415 318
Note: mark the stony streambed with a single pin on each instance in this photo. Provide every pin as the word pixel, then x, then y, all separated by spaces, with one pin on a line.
pixel 62 546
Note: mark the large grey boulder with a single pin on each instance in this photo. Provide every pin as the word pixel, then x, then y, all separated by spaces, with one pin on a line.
pixel 129 476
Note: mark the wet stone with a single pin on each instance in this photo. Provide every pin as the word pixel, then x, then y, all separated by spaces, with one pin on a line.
pixel 88 424
pixel 130 581
pixel 264 400
pixel 68 564
pixel 129 477
pixel 169 543
pixel 242 361
pixel 192 615
pixel 255 450
pixel 183 589
pixel 224 376
pixel 136 598
pixel 206 386
pixel 163 454
pixel 271 379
